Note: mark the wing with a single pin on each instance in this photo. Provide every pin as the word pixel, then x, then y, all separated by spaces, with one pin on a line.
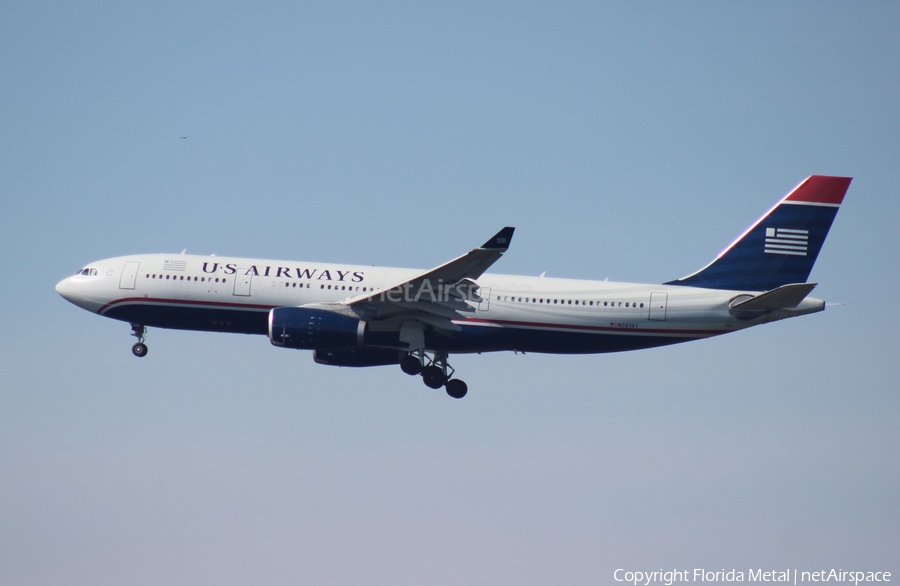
pixel 434 297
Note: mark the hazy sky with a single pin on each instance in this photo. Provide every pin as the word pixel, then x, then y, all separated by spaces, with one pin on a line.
pixel 631 141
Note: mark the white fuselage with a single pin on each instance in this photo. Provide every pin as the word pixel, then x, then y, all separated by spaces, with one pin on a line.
pixel 227 294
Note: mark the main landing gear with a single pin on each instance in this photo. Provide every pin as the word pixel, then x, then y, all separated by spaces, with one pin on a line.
pixel 139 349
pixel 435 372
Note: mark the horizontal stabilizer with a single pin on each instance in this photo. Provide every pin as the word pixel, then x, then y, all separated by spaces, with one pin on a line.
pixel 784 297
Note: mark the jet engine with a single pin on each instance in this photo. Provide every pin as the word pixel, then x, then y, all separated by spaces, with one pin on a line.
pixel 311 329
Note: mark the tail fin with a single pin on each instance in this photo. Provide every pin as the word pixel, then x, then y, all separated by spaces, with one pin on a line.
pixel 782 246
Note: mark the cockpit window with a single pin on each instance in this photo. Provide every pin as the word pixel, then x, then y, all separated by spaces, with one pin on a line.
pixel 88 272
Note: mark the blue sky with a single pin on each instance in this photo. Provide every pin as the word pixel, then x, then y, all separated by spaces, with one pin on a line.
pixel 622 140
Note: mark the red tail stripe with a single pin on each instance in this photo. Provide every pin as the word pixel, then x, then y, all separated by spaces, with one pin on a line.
pixel 821 189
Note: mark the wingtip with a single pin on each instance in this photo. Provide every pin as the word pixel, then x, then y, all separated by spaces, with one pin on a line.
pixel 500 240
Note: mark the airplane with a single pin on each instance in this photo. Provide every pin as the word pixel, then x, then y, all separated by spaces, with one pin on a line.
pixel 361 316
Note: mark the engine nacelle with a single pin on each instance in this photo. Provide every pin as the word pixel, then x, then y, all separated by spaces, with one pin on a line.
pixel 310 329
pixel 358 357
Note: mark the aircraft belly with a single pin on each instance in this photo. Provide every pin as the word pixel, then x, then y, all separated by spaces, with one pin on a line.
pixel 488 338
pixel 206 319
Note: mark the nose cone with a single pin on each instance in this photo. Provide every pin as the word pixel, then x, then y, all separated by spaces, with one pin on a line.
pixel 64 288
pixel 84 293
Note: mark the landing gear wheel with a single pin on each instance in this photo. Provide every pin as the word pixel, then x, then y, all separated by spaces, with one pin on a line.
pixel 411 365
pixel 139 349
pixel 457 388
pixel 433 377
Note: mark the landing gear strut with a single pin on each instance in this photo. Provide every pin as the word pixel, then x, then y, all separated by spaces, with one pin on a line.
pixel 139 349
pixel 436 372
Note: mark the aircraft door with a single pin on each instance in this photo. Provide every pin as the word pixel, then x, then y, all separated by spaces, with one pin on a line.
pixel 485 294
pixel 658 303
pixel 242 280
pixel 129 275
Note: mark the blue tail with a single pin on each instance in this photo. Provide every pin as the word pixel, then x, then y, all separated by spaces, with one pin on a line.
pixel 782 246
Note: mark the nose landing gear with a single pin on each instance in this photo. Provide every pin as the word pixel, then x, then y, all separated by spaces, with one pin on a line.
pixel 139 349
pixel 435 372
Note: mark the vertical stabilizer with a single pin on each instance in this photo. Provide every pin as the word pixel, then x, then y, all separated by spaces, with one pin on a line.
pixel 782 246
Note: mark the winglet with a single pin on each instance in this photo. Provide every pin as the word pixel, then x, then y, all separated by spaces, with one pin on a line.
pixel 500 241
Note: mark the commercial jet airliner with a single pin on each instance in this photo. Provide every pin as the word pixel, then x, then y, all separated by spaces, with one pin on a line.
pixel 352 315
